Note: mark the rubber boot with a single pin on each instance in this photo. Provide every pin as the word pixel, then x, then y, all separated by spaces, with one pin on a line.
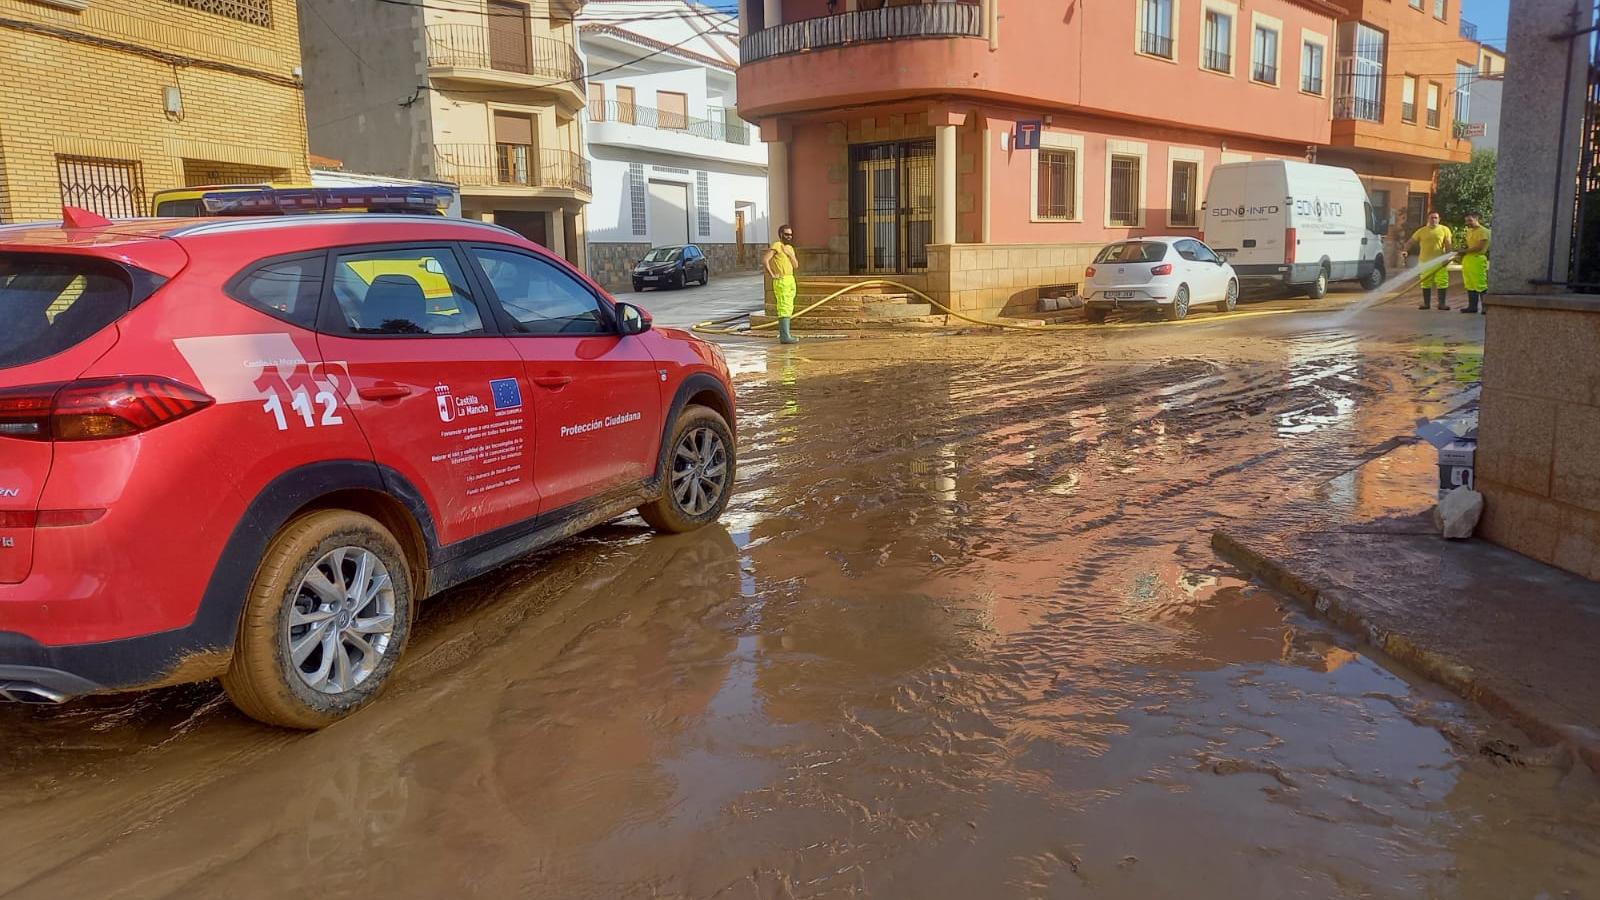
pixel 1427 298
pixel 1472 303
pixel 1444 298
pixel 784 337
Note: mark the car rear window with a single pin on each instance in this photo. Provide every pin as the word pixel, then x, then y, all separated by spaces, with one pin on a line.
pixel 1133 252
pixel 50 303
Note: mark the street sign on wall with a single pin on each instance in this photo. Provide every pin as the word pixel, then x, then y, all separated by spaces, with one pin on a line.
pixel 1028 134
pixel 1471 130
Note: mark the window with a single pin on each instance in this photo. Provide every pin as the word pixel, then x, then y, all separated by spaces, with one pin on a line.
pixel 1265 54
pixel 1216 50
pixel 114 188
pixel 597 101
pixel 411 291
pixel 1408 99
pixel 1433 104
pixel 1057 181
pixel 1416 4
pixel 1126 180
pixel 538 297
pixel 702 203
pixel 513 145
pixel 1133 252
pixel 672 110
pixel 636 197
pixel 1362 49
pixel 1194 251
pixel 1311 67
pixel 1185 194
pixel 254 12
pixel 1466 74
pixel 625 105
pixel 286 289
pixel 52 303
pixel 1440 10
pixel 1156 28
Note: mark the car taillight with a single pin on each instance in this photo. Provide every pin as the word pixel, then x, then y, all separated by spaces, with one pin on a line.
pixel 1289 242
pixel 93 409
pixel 49 518
pixel 1089 272
pixel 1163 269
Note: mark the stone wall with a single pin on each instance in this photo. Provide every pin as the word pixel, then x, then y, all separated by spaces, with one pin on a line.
pixel 1003 278
pixel 724 258
pixel 611 264
pixel 1538 462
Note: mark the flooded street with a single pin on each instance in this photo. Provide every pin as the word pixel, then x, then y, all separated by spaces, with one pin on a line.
pixel 961 634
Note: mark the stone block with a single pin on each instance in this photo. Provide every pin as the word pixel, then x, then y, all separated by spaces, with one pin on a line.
pixel 983 259
pixel 838 209
pixel 897 121
pixel 838 174
pixel 1575 465
pixel 1516 440
pixel 836 134
pixel 1543 353
pixel 839 244
pixel 1578 542
pixel 1520 521
pixel 965 203
pixel 965 164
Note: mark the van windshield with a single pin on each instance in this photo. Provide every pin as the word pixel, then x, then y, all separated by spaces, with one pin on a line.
pixel 50 303
pixel 1133 252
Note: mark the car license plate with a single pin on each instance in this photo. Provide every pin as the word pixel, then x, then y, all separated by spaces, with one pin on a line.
pixel 1226 254
pixel 1120 295
pixel 648 278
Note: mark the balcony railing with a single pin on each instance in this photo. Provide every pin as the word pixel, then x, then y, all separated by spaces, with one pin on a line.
pixel 962 19
pixel 1155 44
pixel 1366 109
pixel 471 47
pixel 734 132
pixel 1216 60
pixel 511 165
pixel 1408 112
pixel 1469 30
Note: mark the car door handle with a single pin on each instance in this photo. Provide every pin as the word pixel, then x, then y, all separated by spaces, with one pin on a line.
pixel 383 390
pixel 553 382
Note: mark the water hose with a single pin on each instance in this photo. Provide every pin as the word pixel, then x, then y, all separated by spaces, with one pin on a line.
pixel 717 326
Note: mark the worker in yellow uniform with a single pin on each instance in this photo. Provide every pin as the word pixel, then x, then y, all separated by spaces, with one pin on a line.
pixel 1433 241
pixel 780 263
pixel 1475 264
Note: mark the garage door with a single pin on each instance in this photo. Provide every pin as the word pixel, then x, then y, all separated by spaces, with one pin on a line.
pixel 669 214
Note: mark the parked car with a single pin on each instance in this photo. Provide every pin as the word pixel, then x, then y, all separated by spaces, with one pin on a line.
pixel 1293 225
pixel 1170 274
pixel 671 267
pixel 248 447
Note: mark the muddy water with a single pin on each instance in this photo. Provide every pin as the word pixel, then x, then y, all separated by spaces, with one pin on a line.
pixel 960 635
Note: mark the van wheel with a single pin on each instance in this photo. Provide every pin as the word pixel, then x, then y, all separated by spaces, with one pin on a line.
pixel 1319 288
pixel 697 479
pixel 1180 304
pixel 1376 277
pixel 326 619
pixel 1230 302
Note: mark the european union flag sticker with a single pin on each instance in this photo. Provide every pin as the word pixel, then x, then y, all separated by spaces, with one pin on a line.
pixel 507 393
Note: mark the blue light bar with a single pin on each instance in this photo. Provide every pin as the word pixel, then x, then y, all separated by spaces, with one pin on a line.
pixel 374 198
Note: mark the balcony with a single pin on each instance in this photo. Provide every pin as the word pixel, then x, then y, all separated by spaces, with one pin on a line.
pixel 1362 109
pixel 736 132
pixel 629 125
pixel 470 53
pixel 513 168
pixel 1469 30
pixel 925 20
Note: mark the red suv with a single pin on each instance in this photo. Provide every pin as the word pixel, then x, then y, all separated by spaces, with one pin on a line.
pixel 247 448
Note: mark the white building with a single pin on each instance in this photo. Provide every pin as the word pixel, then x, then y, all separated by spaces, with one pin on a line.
pixel 672 161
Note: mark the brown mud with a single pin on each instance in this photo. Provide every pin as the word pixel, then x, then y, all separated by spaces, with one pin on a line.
pixel 961 634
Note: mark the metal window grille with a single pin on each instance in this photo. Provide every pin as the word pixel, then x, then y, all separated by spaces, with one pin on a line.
pixel 253 12
pixel 1408 99
pixel 1125 191
pixel 891 206
pixel 114 188
pixel 1058 179
pixel 1311 65
pixel 1155 33
pixel 1217 55
pixel 702 202
pixel 1185 179
pixel 636 196
pixel 1266 54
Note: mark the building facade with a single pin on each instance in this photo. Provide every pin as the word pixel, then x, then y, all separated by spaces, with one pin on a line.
pixel 1404 77
pixel 106 102
pixel 673 162
pixel 983 156
pixel 486 94
pixel 1484 99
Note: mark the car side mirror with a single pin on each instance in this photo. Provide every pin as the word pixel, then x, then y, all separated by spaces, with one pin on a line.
pixel 632 320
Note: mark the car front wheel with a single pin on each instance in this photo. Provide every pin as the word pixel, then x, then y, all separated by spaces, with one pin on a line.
pixel 697 479
pixel 326 619
pixel 1230 301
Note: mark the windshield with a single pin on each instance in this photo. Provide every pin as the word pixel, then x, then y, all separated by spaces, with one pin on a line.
pixel 662 254
pixel 1133 252
pixel 51 303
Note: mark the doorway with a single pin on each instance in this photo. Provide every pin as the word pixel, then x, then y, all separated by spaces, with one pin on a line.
pixel 532 225
pixel 738 236
pixel 669 214
pixel 891 207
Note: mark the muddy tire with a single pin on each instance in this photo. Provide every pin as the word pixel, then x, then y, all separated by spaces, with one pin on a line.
pixel 1319 288
pixel 1096 316
pixel 326 620
pixel 697 479
pixel 1230 300
pixel 1375 278
pixel 1179 307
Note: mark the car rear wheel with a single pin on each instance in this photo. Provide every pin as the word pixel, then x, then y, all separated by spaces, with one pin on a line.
pixel 697 479
pixel 326 619
pixel 1179 307
pixel 1230 301
pixel 1319 288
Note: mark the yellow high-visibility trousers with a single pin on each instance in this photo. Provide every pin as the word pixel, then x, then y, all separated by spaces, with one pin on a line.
pixel 783 291
pixel 1439 278
pixel 1475 272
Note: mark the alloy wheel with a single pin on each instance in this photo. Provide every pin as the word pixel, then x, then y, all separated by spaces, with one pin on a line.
pixel 699 471
pixel 1232 300
pixel 341 620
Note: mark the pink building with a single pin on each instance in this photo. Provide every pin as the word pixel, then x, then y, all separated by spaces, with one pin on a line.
pixel 894 126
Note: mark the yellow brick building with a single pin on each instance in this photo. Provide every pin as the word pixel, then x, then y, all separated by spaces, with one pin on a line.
pixel 104 102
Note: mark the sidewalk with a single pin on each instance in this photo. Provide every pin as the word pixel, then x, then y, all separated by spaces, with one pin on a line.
pixel 1520 638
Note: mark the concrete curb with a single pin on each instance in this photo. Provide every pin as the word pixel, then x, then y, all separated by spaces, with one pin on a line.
pixel 1333 605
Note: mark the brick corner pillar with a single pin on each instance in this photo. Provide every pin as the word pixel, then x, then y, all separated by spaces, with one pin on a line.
pixel 945 122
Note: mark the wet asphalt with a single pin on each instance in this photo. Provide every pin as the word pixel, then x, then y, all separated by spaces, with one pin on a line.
pixel 960 634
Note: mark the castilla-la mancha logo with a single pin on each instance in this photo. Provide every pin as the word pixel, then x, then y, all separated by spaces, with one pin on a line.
pixel 447 403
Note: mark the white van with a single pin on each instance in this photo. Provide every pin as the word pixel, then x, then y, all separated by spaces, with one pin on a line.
pixel 1294 225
